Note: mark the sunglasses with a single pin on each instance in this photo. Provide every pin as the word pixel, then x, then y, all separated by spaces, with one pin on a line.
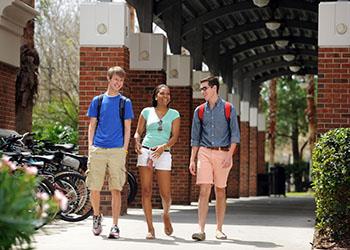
pixel 204 88
pixel 160 127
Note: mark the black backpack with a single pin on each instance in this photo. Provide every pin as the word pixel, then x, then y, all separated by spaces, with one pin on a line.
pixel 121 109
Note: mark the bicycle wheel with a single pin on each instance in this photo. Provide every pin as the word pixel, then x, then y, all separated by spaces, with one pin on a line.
pixel 74 188
pixel 132 187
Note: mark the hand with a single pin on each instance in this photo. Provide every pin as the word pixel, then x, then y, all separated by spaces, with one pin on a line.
pixel 227 162
pixel 138 147
pixel 192 168
pixel 157 151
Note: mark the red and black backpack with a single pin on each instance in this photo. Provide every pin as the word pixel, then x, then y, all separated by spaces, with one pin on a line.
pixel 227 112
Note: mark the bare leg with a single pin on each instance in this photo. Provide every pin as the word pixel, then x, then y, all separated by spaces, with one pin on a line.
pixel 146 175
pixel 164 183
pixel 203 205
pixel 116 204
pixel 220 194
pixel 95 201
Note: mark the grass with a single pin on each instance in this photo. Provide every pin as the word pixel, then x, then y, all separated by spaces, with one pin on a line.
pixel 300 194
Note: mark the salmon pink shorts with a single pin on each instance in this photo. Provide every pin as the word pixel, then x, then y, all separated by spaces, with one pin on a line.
pixel 209 167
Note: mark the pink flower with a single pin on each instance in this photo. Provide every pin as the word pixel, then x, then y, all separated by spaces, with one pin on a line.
pixel 62 199
pixel 42 196
pixel 31 170
pixel 9 163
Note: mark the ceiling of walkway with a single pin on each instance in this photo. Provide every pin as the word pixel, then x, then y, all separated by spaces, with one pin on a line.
pixel 238 36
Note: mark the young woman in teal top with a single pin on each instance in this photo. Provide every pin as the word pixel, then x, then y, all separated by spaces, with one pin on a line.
pixel 162 126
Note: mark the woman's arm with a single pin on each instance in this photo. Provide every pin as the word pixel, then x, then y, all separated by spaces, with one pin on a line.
pixel 141 123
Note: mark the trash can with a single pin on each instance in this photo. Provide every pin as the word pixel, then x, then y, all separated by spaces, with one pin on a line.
pixel 263 185
pixel 277 181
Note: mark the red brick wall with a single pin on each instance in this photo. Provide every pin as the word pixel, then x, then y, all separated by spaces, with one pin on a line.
pixel 244 160
pixel 261 152
pixel 94 63
pixel 333 100
pixel 253 160
pixel 7 96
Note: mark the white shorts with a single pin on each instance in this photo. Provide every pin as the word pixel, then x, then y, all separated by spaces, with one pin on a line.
pixel 162 163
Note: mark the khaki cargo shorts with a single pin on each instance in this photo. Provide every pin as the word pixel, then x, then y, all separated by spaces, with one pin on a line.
pixel 102 159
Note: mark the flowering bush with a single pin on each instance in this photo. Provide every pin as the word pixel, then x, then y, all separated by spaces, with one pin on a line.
pixel 21 208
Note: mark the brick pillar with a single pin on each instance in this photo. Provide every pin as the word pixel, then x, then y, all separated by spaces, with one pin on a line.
pixel 253 151
pixel 261 152
pixel 94 63
pixel 333 98
pixel 244 151
pixel 141 87
pixel 232 190
pixel 8 96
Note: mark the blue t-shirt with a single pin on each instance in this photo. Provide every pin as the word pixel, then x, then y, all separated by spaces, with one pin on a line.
pixel 109 131
pixel 155 137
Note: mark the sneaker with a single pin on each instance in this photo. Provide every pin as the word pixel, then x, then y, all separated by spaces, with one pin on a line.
pixel 220 235
pixel 97 226
pixel 114 234
pixel 198 236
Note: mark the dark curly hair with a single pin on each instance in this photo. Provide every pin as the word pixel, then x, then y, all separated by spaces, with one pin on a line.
pixel 155 93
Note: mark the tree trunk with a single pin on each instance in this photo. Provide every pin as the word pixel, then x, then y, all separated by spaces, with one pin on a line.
pixel 295 142
pixel 272 120
pixel 27 80
pixel 311 112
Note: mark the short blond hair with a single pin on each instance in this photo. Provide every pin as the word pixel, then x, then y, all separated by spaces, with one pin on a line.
pixel 116 70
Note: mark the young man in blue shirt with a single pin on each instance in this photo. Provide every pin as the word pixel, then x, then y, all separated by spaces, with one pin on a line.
pixel 214 139
pixel 109 136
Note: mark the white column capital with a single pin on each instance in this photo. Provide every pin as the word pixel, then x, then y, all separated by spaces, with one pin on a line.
pixel 334 24
pixel 244 111
pixel 179 70
pixel 261 122
pixel 253 117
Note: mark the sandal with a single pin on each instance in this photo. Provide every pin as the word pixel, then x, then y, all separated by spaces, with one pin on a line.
pixel 220 235
pixel 168 229
pixel 150 236
pixel 198 236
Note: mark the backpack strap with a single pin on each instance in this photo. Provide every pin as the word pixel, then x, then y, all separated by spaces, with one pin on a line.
pixel 201 112
pixel 228 111
pixel 122 101
pixel 99 104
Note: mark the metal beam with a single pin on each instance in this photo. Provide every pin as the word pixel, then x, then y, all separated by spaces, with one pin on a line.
pixel 268 41
pixel 244 6
pixel 272 53
pixel 277 65
pixel 238 30
pixel 144 10
pixel 284 72
pixel 196 48
pixel 172 19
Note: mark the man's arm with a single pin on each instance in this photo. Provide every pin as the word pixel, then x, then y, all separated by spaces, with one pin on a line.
pixel 91 130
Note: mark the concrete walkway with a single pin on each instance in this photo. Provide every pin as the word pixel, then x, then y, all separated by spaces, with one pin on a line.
pixel 250 223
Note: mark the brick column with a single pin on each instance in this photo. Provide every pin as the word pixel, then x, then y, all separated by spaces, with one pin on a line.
pixel 8 96
pixel 261 143
pixel 94 63
pixel 253 151
pixel 244 151
pixel 333 98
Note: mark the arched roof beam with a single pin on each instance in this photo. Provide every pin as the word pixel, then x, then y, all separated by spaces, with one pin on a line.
pixel 265 55
pixel 276 65
pixel 238 30
pixel 268 41
pixel 236 8
pixel 284 72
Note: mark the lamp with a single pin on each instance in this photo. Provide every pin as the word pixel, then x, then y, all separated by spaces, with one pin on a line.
pixel 282 43
pixel 272 25
pixel 288 57
pixel 261 3
pixel 294 68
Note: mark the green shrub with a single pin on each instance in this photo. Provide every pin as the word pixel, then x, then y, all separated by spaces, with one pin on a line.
pixel 331 175
pixel 20 207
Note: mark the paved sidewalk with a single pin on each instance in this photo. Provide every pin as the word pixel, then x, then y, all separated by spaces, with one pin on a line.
pixel 250 223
